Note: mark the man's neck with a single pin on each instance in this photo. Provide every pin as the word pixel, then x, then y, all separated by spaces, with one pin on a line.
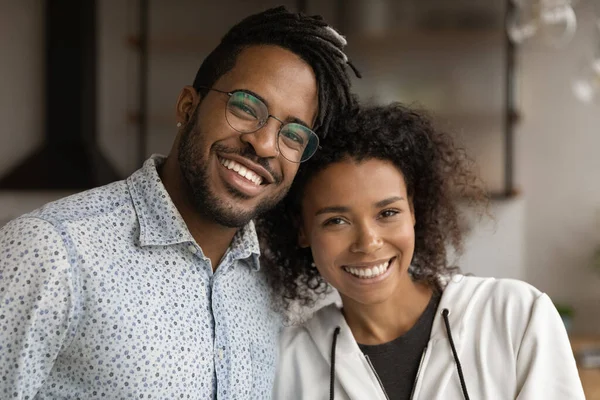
pixel 214 239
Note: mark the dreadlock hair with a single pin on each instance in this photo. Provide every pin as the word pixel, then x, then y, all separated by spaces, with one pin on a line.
pixel 438 176
pixel 309 37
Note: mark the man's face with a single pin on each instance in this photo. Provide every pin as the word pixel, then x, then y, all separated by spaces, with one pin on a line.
pixel 232 177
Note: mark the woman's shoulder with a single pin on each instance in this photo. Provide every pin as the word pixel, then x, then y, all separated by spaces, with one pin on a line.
pixel 469 286
pixel 310 341
pixel 319 322
pixel 501 297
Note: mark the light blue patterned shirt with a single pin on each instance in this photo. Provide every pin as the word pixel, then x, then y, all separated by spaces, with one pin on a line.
pixel 106 295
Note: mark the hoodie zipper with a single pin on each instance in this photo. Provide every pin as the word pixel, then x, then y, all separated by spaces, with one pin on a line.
pixel 377 376
pixel 412 393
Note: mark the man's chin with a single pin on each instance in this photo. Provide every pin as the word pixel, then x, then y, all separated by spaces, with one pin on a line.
pixel 229 207
pixel 227 213
pixel 232 221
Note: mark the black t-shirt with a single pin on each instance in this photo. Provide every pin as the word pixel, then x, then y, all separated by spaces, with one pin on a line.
pixel 397 362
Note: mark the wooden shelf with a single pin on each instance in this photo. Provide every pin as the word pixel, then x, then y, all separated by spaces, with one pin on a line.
pixel 175 44
pixel 396 39
pixel 504 196
pixel 426 40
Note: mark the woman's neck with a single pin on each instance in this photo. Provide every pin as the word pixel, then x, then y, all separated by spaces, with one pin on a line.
pixel 383 322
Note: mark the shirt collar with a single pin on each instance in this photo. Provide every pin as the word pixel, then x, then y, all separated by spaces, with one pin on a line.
pixel 161 224
pixel 245 246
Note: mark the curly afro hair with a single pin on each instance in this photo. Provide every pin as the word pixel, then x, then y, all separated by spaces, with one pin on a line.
pixel 438 175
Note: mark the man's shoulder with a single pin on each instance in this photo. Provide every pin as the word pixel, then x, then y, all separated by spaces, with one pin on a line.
pixel 84 205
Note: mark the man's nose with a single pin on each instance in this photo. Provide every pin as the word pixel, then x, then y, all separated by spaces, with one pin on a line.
pixel 264 140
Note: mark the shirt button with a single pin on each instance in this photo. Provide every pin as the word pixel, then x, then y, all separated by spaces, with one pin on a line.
pixel 192 249
pixel 220 354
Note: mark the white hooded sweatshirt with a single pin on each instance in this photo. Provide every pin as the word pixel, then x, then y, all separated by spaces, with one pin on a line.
pixel 508 336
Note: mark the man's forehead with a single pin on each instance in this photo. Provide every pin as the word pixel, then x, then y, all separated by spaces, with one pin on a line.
pixel 267 61
pixel 278 76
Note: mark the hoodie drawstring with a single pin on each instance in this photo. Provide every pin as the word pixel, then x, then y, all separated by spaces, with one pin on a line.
pixel 445 313
pixel 336 332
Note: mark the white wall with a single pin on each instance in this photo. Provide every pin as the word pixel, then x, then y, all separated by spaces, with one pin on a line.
pixel 559 168
pixel 496 246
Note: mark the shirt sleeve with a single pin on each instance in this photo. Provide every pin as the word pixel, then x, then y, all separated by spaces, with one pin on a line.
pixel 546 367
pixel 37 304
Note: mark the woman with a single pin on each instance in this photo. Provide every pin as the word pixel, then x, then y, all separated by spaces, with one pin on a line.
pixel 374 214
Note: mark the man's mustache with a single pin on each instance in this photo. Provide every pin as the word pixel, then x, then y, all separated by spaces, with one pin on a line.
pixel 251 155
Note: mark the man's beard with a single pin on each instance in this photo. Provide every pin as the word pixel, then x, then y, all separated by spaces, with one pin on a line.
pixel 194 169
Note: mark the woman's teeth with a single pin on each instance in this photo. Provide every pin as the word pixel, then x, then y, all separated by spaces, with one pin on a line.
pixel 241 170
pixel 367 273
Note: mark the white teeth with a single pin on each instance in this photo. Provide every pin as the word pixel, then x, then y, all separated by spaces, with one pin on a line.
pixel 242 171
pixel 367 273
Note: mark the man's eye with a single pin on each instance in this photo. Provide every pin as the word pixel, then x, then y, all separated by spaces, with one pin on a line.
pixel 243 110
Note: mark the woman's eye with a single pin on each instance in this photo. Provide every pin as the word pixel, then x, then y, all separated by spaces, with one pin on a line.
pixel 334 221
pixel 389 213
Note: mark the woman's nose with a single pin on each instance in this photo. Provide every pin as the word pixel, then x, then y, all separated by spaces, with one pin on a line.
pixel 367 241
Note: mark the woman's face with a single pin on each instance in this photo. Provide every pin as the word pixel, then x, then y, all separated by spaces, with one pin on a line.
pixel 359 223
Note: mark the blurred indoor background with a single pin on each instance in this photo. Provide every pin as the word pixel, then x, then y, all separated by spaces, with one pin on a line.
pixel 88 90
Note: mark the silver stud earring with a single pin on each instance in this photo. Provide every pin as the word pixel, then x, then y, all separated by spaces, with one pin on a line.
pixel 179 124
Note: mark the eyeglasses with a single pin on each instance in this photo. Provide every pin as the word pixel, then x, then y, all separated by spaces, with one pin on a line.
pixel 247 114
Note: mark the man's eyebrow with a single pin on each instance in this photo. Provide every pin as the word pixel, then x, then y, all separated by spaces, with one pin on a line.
pixel 388 201
pixel 332 210
pixel 298 121
pixel 287 120
pixel 258 96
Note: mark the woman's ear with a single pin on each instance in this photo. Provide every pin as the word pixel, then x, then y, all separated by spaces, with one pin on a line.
pixel 303 241
pixel 412 210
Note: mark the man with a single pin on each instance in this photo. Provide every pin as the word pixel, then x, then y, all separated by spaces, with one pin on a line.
pixel 150 288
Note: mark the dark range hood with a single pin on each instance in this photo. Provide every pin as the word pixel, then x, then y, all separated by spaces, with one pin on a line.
pixel 69 158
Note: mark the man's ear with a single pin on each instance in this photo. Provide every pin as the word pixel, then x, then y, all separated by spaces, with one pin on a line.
pixel 186 104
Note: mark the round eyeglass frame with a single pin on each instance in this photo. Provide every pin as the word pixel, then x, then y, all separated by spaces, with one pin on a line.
pixel 263 123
